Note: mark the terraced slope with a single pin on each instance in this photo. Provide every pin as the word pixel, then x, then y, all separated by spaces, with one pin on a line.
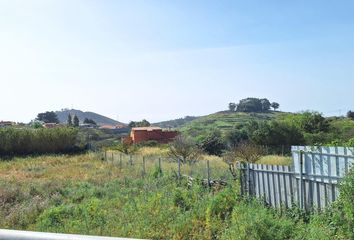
pixel 225 121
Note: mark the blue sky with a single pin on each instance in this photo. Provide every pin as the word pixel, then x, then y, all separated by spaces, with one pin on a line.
pixel 160 60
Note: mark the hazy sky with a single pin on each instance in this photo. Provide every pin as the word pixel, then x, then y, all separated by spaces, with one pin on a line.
pixel 166 59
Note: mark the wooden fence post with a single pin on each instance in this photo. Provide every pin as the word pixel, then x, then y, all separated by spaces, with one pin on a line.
pixel 144 166
pixel 131 160
pixel 179 169
pixel 248 180
pixel 301 195
pixel 241 176
pixel 105 155
pixel 112 157
pixel 160 169
pixel 208 173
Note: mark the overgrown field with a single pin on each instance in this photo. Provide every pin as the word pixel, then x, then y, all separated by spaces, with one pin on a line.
pixel 83 194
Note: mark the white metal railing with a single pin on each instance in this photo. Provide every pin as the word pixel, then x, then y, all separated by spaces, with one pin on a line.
pixel 27 235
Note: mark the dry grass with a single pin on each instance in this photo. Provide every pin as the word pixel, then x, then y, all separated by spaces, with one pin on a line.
pixel 152 151
pixel 57 167
pixel 275 160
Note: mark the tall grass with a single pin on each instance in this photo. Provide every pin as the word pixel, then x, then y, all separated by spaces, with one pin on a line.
pixel 275 160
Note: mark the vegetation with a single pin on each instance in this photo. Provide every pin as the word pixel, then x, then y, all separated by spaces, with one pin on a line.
pixel 85 195
pixel 275 131
pixel 69 122
pixel 253 105
pixel 232 107
pixel 176 123
pixel 48 117
pixel 143 123
pixel 89 121
pixel 350 115
pixel 15 141
pixel 76 121
pixel 184 149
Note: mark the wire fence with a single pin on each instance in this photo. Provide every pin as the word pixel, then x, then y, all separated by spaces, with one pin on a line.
pixel 142 166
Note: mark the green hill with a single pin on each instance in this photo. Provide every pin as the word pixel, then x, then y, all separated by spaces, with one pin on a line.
pixel 99 119
pixel 225 121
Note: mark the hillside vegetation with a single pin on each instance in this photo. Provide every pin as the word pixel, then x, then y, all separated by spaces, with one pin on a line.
pixel 225 121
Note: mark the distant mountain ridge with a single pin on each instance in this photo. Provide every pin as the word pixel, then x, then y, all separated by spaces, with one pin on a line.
pixel 99 119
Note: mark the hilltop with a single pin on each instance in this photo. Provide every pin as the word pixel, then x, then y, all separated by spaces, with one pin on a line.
pixel 99 119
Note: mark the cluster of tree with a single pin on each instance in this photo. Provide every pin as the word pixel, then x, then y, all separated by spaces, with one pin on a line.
pixel 73 121
pixel 15 141
pixel 253 105
pixel 48 117
pixel 89 121
pixel 350 115
pixel 143 123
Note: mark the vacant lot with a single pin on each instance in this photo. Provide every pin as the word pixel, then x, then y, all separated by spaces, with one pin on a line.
pixel 83 194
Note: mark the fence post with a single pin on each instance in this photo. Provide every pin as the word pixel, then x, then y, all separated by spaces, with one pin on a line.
pixel 112 157
pixel 248 179
pixel 120 161
pixel 240 165
pixel 208 172
pixel 131 160
pixel 105 155
pixel 144 166
pixel 160 169
pixel 301 203
pixel 179 169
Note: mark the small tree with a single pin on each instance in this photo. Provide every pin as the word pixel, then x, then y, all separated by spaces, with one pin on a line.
pixel 126 147
pixel 69 121
pixel 275 105
pixel 232 107
pixel 350 115
pixel 185 150
pixel 244 152
pixel 76 121
pixel 213 144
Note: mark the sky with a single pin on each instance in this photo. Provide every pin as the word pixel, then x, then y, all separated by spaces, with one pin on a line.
pixel 164 59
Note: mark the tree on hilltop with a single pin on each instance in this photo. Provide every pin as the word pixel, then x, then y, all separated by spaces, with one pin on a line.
pixel 350 115
pixel 232 107
pixel 275 105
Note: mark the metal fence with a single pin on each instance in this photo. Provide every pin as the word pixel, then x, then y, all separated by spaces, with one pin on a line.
pixel 311 183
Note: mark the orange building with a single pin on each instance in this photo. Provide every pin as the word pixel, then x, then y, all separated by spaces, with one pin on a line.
pixel 143 134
